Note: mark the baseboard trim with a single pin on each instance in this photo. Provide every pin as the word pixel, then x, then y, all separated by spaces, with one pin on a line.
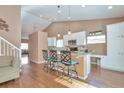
pixel 34 61
pixel 111 68
pixel 95 63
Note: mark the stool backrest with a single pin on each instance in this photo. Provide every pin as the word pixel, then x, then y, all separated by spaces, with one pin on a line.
pixel 53 54
pixel 65 56
pixel 45 54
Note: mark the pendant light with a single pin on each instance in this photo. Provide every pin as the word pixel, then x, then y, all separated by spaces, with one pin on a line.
pixel 58 13
pixel 69 32
pixel 58 35
pixel 69 17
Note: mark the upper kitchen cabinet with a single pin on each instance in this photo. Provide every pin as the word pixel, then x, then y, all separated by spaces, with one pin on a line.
pixel 52 41
pixel 65 40
pixel 79 37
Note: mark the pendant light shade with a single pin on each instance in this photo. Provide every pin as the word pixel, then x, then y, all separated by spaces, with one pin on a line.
pixel 58 11
pixel 58 35
pixel 69 32
pixel 69 17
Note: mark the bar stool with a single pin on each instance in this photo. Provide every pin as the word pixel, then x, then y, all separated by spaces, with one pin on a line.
pixel 46 59
pixel 70 64
pixel 55 60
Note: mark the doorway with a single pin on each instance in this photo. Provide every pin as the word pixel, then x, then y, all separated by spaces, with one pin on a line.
pixel 24 53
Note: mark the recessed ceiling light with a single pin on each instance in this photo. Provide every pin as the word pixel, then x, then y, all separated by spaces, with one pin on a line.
pixel 68 17
pixel 59 11
pixel 41 16
pixel 50 22
pixel 55 19
pixel 50 19
pixel 110 7
pixel 83 6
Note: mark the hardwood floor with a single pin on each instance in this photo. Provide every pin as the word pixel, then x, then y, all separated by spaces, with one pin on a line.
pixel 33 76
pixel 105 78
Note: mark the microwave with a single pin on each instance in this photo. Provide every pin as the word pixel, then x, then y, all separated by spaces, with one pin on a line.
pixel 72 42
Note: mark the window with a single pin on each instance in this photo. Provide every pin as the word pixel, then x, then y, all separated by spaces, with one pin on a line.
pixel 24 46
pixel 52 41
pixel 60 43
pixel 96 39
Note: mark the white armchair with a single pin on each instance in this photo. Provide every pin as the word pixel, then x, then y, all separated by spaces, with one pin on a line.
pixel 9 68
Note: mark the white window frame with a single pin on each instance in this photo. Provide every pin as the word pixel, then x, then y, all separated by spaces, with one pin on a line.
pixel 96 39
pixel 26 46
pixel 60 43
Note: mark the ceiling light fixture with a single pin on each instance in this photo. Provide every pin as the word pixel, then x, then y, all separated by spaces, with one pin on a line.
pixel 41 16
pixel 69 32
pixel 83 6
pixel 58 11
pixel 58 35
pixel 110 7
pixel 55 19
pixel 69 17
pixel 50 19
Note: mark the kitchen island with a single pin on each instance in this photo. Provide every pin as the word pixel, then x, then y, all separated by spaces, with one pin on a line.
pixel 83 67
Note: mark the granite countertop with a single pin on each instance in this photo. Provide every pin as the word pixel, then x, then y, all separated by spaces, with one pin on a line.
pixel 98 55
pixel 80 54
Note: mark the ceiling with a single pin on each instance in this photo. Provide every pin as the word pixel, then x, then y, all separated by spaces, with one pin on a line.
pixel 38 17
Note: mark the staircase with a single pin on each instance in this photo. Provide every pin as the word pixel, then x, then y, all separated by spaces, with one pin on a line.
pixel 8 49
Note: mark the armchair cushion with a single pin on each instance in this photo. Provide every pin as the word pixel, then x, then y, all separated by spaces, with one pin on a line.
pixel 6 71
pixel 5 61
pixel 9 68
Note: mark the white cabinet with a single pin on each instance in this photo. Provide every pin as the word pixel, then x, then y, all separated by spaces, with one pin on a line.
pixel 52 41
pixel 73 36
pixel 80 38
pixel 115 39
pixel 115 47
pixel 65 40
